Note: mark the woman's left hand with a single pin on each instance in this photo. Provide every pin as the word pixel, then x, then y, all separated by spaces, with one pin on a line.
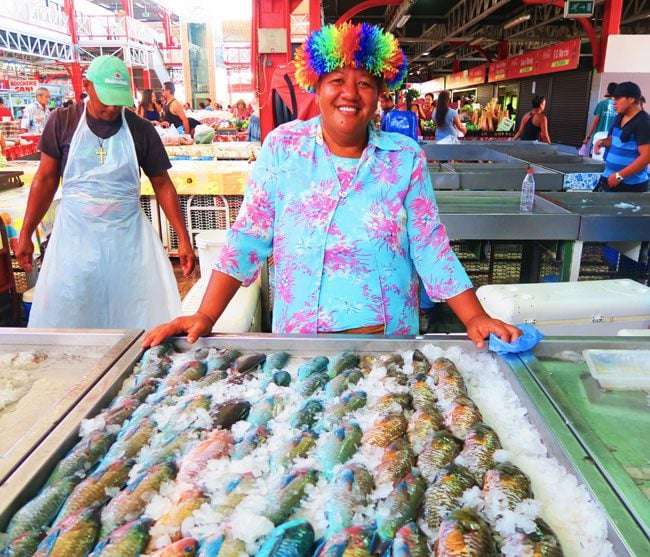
pixel 480 327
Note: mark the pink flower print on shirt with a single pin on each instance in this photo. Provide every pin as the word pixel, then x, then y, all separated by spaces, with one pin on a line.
pixel 387 170
pixel 343 258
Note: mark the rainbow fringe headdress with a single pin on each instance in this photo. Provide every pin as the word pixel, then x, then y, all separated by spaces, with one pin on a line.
pixel 361 46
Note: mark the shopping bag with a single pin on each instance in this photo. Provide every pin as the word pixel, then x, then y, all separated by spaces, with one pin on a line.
pixel 584 150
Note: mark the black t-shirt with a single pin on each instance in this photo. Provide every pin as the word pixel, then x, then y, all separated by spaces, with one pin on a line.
pixel 62 124
pixel 639 126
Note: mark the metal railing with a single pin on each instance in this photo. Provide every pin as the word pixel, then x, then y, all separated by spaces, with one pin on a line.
pixel 116 27
pixel 36 14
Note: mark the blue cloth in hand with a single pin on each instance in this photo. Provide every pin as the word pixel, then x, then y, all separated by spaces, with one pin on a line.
pixel 529 338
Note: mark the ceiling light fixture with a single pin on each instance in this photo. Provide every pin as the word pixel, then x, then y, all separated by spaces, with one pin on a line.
pixel 402 20
pixel 516 21
pixel 426 53
pixel 450 54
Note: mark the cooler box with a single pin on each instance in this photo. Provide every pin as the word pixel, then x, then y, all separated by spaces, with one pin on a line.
pixel 242 315
pixel 590 308
pixel 209 244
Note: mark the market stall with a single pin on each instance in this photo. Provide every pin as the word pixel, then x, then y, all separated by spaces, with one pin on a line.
pixel 359 384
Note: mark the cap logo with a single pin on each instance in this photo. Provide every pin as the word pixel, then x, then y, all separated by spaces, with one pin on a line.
pixel 117 75
pixel 113 81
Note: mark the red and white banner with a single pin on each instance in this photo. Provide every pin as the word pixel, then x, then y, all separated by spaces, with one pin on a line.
pixel 473 76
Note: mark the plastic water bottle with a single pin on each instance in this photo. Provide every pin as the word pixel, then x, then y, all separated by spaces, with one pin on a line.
pixel 527 193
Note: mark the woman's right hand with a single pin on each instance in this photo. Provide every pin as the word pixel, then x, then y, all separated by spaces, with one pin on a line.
pixel 195 326
pixel 24 253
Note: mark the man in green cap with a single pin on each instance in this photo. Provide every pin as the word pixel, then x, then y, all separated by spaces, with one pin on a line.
pixel 105 267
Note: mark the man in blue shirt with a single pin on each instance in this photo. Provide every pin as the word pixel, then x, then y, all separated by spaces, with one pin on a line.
pixel 628 143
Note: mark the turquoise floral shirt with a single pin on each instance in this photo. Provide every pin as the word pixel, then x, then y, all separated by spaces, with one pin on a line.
pixel 296 208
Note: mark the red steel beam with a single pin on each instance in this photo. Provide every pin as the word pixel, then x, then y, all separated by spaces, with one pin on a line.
pixel 74 68
pixel 611 26
pixel 364 6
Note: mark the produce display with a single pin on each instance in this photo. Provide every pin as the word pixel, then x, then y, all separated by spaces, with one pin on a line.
pixel 227 452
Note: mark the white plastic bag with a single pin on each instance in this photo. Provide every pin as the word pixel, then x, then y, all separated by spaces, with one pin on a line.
pixel 203 134
pixel 170 136
pixel 584 150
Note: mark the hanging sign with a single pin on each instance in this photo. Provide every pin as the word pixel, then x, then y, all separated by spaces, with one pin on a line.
pixel 555 58
pixel 579 8
pixel 23 85
pixel 472 76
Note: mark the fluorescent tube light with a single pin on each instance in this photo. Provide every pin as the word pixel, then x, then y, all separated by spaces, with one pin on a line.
pixel 402 20
pixel 516 21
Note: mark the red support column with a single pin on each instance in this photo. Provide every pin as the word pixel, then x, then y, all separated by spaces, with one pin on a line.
pixel 127 6
pixel 611 26
pixel 167 26
pixel 268 14
pixel 455 66
pixel 315 22
pixel 146 78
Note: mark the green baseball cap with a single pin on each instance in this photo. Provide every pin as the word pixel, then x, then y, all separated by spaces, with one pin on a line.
pixel 111 80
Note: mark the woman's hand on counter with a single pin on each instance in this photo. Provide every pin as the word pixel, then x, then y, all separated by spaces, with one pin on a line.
pixel 195 326
pixel 480 327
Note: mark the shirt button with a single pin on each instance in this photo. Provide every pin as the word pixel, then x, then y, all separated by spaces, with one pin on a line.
pixel 344 194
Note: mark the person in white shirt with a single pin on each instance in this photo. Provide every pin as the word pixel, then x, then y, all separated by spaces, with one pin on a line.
pixel 35 114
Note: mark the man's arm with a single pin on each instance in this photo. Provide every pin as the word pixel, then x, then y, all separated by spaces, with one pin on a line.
pixel 177 109
pixel 168 199
pixel 41 194
pixel 594 124
pixel 544 136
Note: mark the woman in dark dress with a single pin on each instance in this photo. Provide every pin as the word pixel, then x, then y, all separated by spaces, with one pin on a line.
pixel 148 109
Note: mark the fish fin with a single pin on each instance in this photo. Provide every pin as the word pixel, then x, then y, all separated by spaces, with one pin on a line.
pixel 320 544
pixel 100 546
pixel 212 547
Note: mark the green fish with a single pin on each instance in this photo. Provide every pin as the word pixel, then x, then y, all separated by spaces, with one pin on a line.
pixel 156 353
pixel 420 363
pixel 461 415
pixel 340 446
pixel 301 444
pixel 340 362
pixel 252 439
pixel 410 542
pixel 265 410
pixel 222 360
pixel 350 488
pixel 507 485
pixel 282 378
pixel 312 383
pixel 92 490
pixel 397 460
pixel 350 401
pixel 401 506
pixel 541 542
pixel 307 414
pixel 129 540
pixel 291 539
pixel 353 541
pixel 221 546
pixel 392 403
pixel 316 365
pixel 169 448
pixel 423 397
pixel 120 413
pixel 440 450
pixel 442 495
pixel 83 456
pixel 74 536
pixel 156 370
pixel 182 374
pixel 140 391
pixel 284 500
pixel 343 381
pixel 41 510
pixel 130 441
pixel 386 430
pixel 479 447
pixel 275 361
pixel 23 545
pixel 464 532
pixel 421 427
pixel 130 503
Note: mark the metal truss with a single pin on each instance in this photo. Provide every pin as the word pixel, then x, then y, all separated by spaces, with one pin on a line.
pixel 36 13
pixel 22 43
pixel 634 10
pixel 460 18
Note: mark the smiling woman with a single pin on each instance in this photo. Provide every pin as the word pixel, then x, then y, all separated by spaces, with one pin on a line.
pixel 347 211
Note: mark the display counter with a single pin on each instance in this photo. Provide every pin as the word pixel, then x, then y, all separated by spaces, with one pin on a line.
pixel 236 150
pixel 541 433
pixel 227 177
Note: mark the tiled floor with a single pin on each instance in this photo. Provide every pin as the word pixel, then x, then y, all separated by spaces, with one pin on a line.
pixel 185 283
